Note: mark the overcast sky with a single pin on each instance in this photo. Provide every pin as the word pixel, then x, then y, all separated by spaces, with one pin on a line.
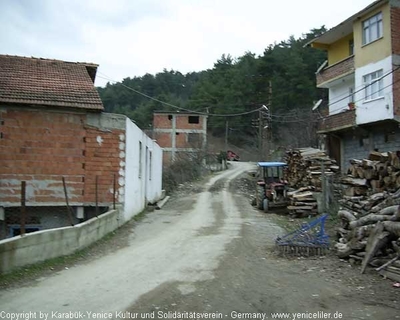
pixel 129 38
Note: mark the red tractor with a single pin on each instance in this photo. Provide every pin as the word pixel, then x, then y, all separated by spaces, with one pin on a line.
pixel 271 186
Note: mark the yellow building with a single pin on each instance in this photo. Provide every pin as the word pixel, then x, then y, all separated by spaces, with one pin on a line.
pixel 363 78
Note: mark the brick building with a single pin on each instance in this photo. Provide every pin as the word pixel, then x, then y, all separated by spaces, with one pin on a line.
pixel 179 133
pixel 52 126
pixel 362 73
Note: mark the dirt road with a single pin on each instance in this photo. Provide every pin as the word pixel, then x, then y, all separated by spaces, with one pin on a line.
pixel 210 253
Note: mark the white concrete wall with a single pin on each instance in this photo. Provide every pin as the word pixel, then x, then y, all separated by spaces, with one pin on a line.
pixel 154 171
pixel 378 109
pixel 139 188
pixel 339 96
pixel 46 244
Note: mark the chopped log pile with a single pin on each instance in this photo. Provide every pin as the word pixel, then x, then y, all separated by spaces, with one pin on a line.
pixel 373 239
pixel 380 172
pixel 304 172
pixel 302 202
pixel 370 183
pixel 305 167
pixel 370 214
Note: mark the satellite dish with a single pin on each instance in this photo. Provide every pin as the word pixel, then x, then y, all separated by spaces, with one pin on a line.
pixel 317 104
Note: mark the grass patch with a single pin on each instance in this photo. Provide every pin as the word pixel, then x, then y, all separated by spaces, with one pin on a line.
pixel 138 217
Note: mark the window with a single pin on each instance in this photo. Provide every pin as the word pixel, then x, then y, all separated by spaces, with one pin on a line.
pixel 194 119
pixel 372 28
pixel 373 83
pixel 140 159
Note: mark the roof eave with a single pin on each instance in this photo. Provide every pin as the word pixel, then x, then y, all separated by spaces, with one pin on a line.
pixel 337 32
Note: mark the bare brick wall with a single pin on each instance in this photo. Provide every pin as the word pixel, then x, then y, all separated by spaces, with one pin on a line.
pixel 41 147
pixel 163 139
pixel 102 159
pixel 336 121
pixel 336 70
pixel 182 122
pixel 395 30
pixel 161 121
pixel 181 140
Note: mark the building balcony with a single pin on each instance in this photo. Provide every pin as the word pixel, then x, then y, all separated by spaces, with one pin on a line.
pixel 337 122
pixel 328 76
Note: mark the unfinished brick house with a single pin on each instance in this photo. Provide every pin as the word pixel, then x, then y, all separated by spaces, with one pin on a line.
pixel 52 126
pixel 179 133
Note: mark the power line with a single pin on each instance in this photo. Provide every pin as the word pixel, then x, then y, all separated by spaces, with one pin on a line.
pixel 362 99
pixel 362 88
pixel 176 107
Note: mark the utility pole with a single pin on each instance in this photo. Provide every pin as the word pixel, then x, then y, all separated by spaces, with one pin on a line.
pixel 260 138
pixel 226 134
pixel 269 132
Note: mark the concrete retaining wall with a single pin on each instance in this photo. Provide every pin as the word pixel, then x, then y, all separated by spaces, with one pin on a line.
pixel 42 245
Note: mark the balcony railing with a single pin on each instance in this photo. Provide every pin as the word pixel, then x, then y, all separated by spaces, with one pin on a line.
pixel 337 122
pixel 335 71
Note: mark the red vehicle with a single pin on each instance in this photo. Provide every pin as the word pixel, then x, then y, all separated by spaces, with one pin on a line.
pixel 271 187
pixel 232 156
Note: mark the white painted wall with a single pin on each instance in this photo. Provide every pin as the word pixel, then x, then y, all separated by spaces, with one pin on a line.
pixel 339 96
pixel 381 108
pixel 139 189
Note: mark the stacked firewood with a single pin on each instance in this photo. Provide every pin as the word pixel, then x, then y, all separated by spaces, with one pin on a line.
pixel 302 202
pixel 372 239
pixel 370 215
pixel 380 172
pixel 305 167
pixel 370 181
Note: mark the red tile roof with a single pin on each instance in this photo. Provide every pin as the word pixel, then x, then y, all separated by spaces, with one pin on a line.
pixel 46 82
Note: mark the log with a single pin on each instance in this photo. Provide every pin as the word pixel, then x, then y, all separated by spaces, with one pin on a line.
pixel 354 182
pixel 393 269
pixel 388 211
pixel 343 214
pixel 296 208
pixel 355 191
pixel 387 263
pixel 369 219
pixel 392 227
pixel 396 247
pixel 378 156
pixel 367 164
pixel 355 244
pixel 343 250
pixel 396 215
pixel 390 275
pixel 303 195
pixel 377 239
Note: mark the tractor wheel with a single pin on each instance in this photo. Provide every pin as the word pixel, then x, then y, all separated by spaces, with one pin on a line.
pixel 260 197
pixel 266 205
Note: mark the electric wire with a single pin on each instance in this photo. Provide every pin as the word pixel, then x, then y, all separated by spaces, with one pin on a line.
pixel 177 107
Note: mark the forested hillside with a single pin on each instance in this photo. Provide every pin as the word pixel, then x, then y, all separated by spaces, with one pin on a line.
pixel 282 78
